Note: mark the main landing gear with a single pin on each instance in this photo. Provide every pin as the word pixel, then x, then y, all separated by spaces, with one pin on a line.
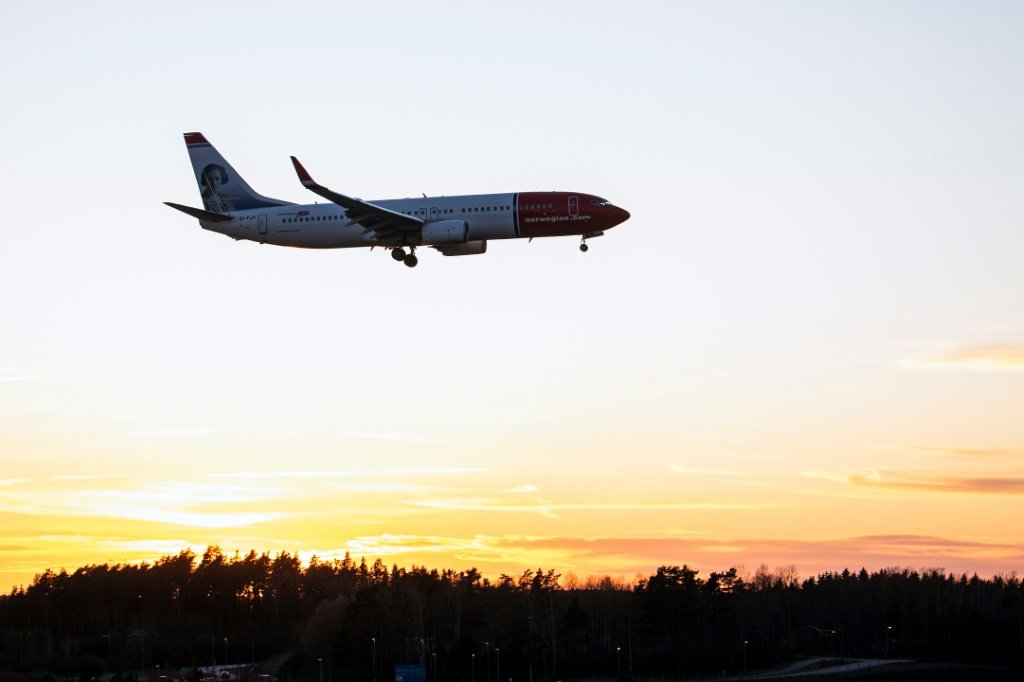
pixel 410 259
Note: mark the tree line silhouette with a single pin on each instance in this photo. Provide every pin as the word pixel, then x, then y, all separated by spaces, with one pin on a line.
pixel 340 620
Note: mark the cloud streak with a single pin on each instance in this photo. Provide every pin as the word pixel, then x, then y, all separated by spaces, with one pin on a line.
pixel 1006 485
pixel 392 436
pixel 182 432
pixel 351 473
pixel 980 357
pixel 202 505
pixel 545 508
pixel 967 452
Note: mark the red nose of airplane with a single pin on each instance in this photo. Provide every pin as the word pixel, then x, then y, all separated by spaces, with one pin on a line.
pixel 618 215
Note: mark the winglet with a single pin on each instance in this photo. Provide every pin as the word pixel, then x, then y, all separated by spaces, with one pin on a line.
pixel 304 177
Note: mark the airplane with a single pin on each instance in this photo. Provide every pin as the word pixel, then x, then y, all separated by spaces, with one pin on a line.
pixel 454 226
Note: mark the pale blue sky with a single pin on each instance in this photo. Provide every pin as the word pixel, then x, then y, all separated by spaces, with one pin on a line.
pixel 826 202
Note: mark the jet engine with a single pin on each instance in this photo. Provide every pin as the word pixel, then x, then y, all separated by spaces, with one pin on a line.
pixel 445 232
pixel 467 249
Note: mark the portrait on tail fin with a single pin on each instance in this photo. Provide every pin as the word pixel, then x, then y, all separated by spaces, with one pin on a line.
pixel 212 181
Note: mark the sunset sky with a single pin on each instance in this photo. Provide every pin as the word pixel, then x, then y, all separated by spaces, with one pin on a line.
pixel 805 347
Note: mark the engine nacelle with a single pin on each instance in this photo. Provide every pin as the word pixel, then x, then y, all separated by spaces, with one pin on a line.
pixel 467 249
pixel 445 232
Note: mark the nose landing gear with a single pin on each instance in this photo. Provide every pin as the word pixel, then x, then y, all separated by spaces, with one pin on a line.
pixel 583 245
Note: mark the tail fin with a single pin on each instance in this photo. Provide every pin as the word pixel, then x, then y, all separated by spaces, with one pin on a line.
pixel 222 188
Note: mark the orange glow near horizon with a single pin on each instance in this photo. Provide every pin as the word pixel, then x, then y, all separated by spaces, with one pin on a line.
pixel 744 513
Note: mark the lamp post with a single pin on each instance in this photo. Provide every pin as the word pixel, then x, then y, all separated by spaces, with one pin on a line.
pixel 618 662
pixel 888 633
pixel 252 651
pixel 433 661
pixel 745 643
pixel 321 662
pixel 140 635
pixel 497 666
pixel 472 668
pixel 213 657
pixel 107 637
pixel 373 657
pixel 487 662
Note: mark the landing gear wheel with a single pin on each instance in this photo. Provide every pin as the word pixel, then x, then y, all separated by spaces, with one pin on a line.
pixel 398 254
pixel 411 260
pixel 584 248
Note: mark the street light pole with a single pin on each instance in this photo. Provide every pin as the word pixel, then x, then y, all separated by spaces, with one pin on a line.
pixel 618 662
pixel 497 672
pixel 745 643
pixel 472 668
pixel 107 637
pixel 321 662
pixel 487 662
pixel 373 657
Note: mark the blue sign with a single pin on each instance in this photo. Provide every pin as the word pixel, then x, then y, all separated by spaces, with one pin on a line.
pixel 410 673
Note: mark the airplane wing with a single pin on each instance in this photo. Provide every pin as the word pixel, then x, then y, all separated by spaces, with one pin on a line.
pixel 381 221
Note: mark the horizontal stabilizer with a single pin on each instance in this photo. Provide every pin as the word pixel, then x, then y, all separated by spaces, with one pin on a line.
pixel 200 213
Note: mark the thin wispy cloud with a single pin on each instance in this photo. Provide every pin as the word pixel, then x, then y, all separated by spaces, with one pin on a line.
pixel 390 435
pixel 485 504
pixel 980 453
pixel 522 489
pixel 711 471
pixel 116 543
pixel 12 374
pixel 179 432
pixel 495 421
pixel 907 545
pixel 983 358
pixel 382 487
pixel 997 485
pixel 92 477
pixel 177 503
pixel 350 473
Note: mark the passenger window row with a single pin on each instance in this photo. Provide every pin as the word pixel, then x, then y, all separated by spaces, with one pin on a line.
pixel 312 219
pixel 420 212
pixel 486 209
pixel 423 212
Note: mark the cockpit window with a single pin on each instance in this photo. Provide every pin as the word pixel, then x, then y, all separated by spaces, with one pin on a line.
pixel 598 201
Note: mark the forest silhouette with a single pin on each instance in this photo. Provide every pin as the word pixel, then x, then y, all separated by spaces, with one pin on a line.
pixel 345 620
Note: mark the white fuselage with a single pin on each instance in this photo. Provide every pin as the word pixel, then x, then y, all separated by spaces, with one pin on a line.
pixel 326 226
